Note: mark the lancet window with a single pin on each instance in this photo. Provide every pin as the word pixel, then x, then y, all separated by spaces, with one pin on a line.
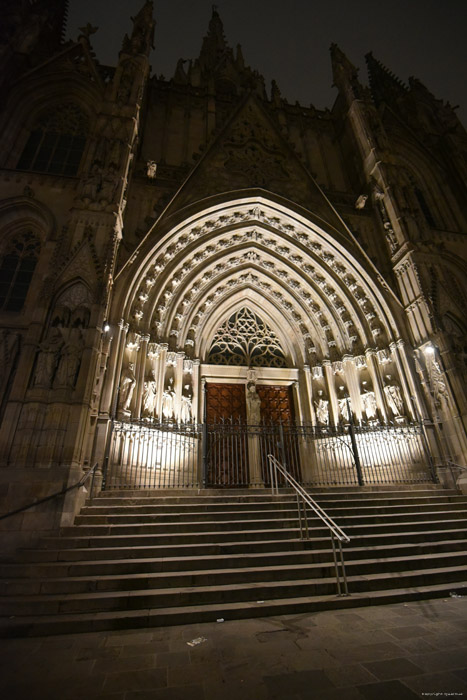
pixel 18 260
pixel 56 142
pixel 245 339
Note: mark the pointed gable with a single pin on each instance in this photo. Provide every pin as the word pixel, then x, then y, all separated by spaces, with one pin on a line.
pixel 250 152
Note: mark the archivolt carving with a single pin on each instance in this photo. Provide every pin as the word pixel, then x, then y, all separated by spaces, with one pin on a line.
pixel 311 280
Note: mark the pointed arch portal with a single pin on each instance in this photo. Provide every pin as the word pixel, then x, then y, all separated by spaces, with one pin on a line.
pixel 250 292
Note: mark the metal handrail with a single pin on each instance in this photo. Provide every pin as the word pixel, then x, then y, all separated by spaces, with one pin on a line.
pixel 303 500
pixel 77 485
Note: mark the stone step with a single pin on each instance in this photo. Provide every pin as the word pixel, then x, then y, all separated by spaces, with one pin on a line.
pixel 43 625
pixel 214 525
pixel 216 557
pixel 240 541
pixel 236 592
pixel 280 511
pixel 195 577
pixel 290 503
pixel 251 495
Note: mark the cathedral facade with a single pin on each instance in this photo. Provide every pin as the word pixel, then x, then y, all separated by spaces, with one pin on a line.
pixel 191 250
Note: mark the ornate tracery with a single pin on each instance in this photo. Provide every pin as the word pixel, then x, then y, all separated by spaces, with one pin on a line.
pixel 245 339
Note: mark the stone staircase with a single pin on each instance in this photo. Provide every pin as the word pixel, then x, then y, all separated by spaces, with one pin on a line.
pixel 141 559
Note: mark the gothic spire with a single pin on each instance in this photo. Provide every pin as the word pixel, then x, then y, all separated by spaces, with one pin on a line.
pixel 214 43
pixel 142 36
pixel 385 86
pixel 345 75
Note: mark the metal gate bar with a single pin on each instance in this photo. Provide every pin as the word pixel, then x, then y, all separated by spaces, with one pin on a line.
pixel 145 455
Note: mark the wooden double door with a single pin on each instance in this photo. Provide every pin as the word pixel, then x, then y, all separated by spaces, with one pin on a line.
pixel 237 452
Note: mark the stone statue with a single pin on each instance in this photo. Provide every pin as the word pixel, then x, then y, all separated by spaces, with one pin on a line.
pixel 70 360
pixel 185 409
pixel 369 404
pixel 168 398
pixel 394 397
pixel 343 409
pixel 149 396
pixel 322 410
pixel 253 405
pixel 127 386
pixel 48 357
pixel 437 381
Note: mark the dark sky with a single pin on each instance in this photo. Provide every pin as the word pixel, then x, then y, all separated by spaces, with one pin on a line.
pixel 289 40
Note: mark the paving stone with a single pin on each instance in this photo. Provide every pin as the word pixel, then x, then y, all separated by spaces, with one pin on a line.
pixel 146 679
pixel 335 694
pixel 193 674
pixel 187 692
pixel 442 683
pixel 238 690
pixel 387 690
pixel 298 682
pixel 404 632
pixel 441 660
pixel 124 663
pixel 345 676
pixel 461 673
pixel 393 668
pixel 130 637
pixel 173 658
pixel 366 652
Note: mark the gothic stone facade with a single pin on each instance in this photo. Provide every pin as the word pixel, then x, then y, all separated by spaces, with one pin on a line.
pixel 157 235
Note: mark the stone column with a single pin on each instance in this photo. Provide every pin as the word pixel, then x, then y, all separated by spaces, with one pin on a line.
pixel 353 386
pixel 413 388
pixel 114 368
pixel 197 394
pixel 403 379
pixel 333 405
pixel 160 373
pixel 377 383
pixel 140 375
pixel 309 393
pixel 178 384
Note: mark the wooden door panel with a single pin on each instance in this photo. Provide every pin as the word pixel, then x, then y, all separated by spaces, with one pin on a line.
pixel 276 403
pixel 225 401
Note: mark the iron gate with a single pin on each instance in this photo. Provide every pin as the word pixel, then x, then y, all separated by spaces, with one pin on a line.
pixel 145 455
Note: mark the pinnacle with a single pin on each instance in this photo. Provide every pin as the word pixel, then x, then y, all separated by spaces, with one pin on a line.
pixel 385 85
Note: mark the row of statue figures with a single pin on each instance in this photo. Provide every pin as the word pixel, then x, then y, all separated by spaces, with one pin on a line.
pixel 148 401
pixel 392 393
pixel 59 358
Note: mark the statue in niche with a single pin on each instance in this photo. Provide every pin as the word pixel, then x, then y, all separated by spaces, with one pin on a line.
pixel 48 357
pixel 149 396
pixel 186 407
pixel 344 412
pixel 127 386
pixel 394 397
pixel 322 410
pixel 437 381
pixel 168 402
pixel 253 405
pixel 70 360
pixel 369 404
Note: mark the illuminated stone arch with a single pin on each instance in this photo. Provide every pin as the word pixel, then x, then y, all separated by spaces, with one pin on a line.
pixel 258 244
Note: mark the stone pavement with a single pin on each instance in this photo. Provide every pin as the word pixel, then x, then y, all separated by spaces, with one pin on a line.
pixel 396 652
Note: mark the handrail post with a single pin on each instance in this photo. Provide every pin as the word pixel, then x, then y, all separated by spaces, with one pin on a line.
pixel 336 568
pixel 304 500
pixel 344 575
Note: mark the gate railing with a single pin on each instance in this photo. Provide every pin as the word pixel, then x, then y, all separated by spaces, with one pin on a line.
pixel 147 455
pixel 304 501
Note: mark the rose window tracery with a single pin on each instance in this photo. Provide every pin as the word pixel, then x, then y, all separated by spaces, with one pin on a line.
pixel 246 340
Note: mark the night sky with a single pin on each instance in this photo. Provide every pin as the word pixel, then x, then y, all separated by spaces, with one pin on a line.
pixel 289 41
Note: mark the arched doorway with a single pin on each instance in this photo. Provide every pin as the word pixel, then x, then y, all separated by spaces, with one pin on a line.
pixel 250 286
